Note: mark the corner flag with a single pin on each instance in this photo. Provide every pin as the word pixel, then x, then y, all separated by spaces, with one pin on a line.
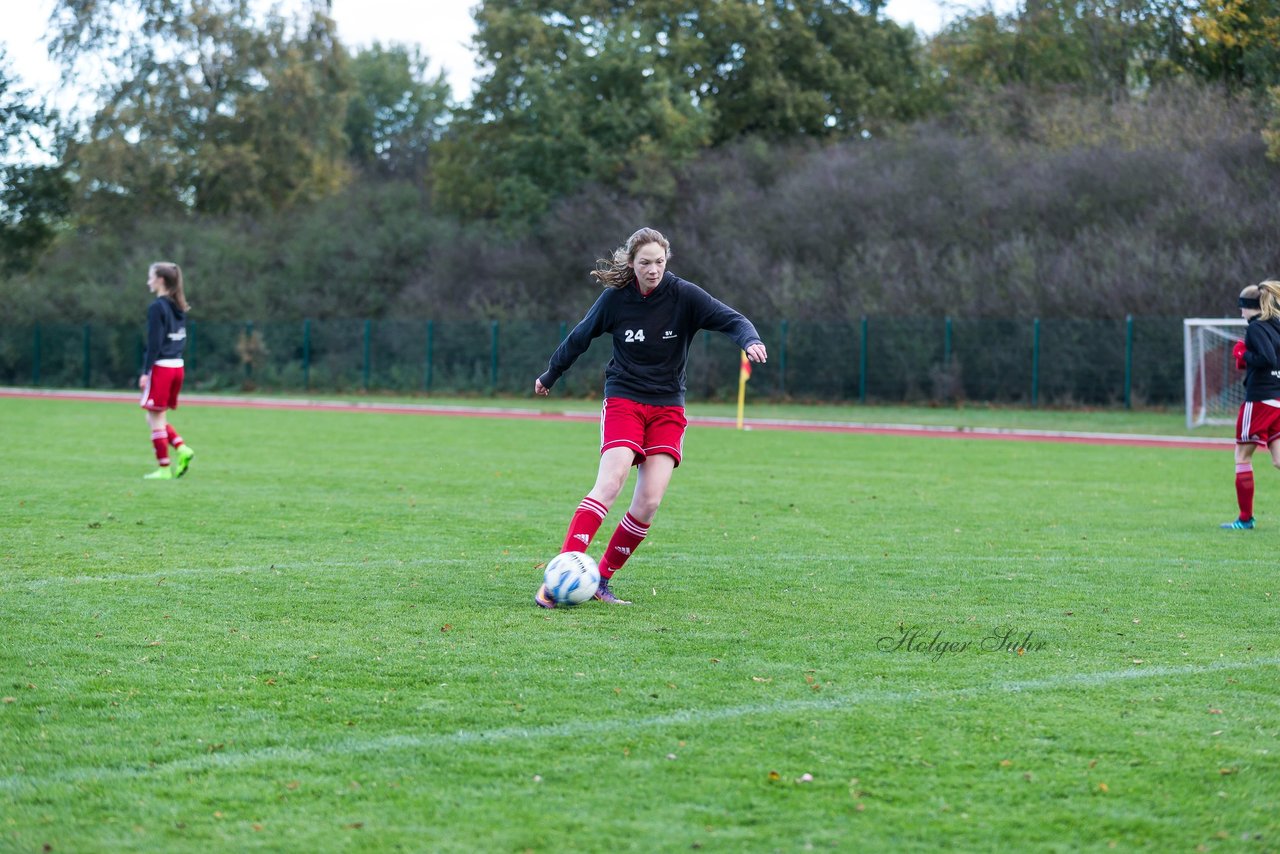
pixel 744 373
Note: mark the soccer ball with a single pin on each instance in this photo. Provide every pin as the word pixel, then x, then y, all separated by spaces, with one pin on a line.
pixel 572 578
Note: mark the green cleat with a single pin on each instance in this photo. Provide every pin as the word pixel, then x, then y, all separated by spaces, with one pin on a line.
pixel 1238 525
pixel 183 454
pixel 162 473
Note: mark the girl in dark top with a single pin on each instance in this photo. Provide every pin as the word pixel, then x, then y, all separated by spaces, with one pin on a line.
pixel 162 367
pixel 1258 424
pixel 652 316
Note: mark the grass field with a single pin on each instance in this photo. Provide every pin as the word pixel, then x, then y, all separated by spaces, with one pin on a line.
pixel 323 639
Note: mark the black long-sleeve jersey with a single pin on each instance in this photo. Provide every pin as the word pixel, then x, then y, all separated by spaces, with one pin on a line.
pixel 651 338
pixel 166 332
pixel 1262 359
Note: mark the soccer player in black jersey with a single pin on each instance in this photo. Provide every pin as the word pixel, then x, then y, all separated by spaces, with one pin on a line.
pixel 652 316
pixel 1258 422
pixel 163 368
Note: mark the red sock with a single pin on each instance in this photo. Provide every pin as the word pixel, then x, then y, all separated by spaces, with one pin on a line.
pixel 160 441
pixel 584 524
pixel 174 438
pixel 625 540
pixel 1244 490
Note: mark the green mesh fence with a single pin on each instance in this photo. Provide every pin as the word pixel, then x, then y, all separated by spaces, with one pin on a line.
pixel 1135 361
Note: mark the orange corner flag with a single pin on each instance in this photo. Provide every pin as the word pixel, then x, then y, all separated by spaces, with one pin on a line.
pixel 744 371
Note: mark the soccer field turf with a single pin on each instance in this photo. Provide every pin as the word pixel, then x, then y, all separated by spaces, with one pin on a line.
pixel 322 638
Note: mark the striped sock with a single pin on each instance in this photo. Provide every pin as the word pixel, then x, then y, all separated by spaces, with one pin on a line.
pixel 584 524
pixel 1244 490
pixel 160 441
pixel 625 540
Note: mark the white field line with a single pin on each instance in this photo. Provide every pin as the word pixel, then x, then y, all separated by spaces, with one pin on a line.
pixel 287 403
pixel 576 730
pixel 257 569
pixel 715 420
pixel 946 430
pixel 1028 564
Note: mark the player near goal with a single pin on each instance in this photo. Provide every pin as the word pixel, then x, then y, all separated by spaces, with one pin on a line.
pixel 162 367
pixel 1258 424
pixel 652 316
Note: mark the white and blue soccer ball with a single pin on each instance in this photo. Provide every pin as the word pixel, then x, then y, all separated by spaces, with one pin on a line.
pixel 572 578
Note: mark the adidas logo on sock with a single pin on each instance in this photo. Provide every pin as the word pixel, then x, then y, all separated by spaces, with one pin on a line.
pixel 623 550
pixel 585 539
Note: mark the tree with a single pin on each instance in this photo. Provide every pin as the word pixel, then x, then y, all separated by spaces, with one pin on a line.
pixel 205 109
pixel 395 112
pixel 791 68
pixel 1237 42
pixel 616 93
pixel 33 195
pixel 1093 46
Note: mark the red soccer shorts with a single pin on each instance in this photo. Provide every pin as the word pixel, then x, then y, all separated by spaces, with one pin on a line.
pixel 161 391
pixel 643 428
pixel 1258 422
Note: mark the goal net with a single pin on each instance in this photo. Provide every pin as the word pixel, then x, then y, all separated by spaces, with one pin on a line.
pixel 1214 384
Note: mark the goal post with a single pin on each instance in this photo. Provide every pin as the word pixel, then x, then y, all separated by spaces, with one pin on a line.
pixel 1215 387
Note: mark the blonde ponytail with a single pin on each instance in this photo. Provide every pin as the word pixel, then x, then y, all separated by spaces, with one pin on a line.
pixel 1269 299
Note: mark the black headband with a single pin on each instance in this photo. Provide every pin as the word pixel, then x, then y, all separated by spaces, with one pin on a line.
pixel 1246 302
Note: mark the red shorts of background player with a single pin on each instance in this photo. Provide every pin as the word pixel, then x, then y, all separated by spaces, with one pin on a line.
pixel 642 427
pixel 161 391
pixel 1258 422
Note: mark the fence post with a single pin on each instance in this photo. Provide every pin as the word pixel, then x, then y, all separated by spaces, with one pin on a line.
pixel 35 357
pixel 306 354
pixel 431 340
pixel 248 349
pixel 85 383
pixel 1128 361
pixel 946 343
pixel 1035 363
pixel 862 363
pixel 493 357
pixel 368 335
pixel 782 362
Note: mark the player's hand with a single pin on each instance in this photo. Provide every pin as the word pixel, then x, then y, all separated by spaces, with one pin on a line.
pixel 1238 352
pixel 142 381
pixel 539 388
pixel 757 353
